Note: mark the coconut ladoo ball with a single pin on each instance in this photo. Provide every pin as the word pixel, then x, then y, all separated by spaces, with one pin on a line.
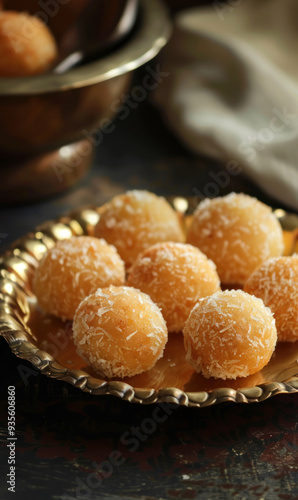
pixel 238 233
pixel 229 334
pixel 176 276
pixel 136 220
pixel 276 283
pixel 27 46
pixel 119 332
pixel 74 269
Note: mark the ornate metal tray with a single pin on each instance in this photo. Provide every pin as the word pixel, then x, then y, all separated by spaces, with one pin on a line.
pixel 46 341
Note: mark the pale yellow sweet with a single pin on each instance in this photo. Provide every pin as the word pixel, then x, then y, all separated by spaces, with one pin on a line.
pixel 74 269
pixel 229 334
pixel 276 283
pixel 27 46
pixel 136 220
pixel 238 233
pixel 176 276
pixel 119 332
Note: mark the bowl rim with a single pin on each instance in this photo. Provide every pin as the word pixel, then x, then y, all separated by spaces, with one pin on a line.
pixel 152 34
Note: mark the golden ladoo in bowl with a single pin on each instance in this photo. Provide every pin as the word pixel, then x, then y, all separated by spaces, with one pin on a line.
pixel 100 330
pixel 42 114
pixel 27 46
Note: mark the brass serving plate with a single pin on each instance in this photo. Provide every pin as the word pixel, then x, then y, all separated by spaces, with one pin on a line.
pixel 47 342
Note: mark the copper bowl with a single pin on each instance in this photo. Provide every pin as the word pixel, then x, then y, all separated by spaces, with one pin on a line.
pixel 42 113
pixel 50 123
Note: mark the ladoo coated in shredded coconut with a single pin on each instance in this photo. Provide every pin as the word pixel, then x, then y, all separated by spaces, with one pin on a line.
pixel 176 276
pixel 276 283
pixel 73 269
pixel 238 233
pixel 224 340
pixel 137 219
pixel 128 335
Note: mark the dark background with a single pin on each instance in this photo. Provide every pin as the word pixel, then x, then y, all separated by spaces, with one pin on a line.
pixel 227 451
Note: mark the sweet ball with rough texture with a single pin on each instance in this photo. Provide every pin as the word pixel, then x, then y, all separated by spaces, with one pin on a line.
pixel 176 276
pixel 27 46
pixel 72 270
pixel 136 220
pixel 119 332
pixel 229 334
pixel 276 283
pixel 238 233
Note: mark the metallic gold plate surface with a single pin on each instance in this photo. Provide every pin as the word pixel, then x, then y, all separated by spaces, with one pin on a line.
pixel 47 343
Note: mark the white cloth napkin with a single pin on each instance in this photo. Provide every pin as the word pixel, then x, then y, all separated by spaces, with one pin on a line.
pixel 232 88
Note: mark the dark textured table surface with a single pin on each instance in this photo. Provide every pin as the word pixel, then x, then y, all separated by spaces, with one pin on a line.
pixel 65 437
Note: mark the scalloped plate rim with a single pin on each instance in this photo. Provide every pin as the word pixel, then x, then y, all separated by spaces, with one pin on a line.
pixel 129 393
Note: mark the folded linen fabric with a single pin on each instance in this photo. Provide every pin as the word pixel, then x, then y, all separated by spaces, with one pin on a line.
pixel 232 88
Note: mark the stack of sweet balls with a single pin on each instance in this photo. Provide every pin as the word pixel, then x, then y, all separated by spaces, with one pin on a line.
pixel 141 276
